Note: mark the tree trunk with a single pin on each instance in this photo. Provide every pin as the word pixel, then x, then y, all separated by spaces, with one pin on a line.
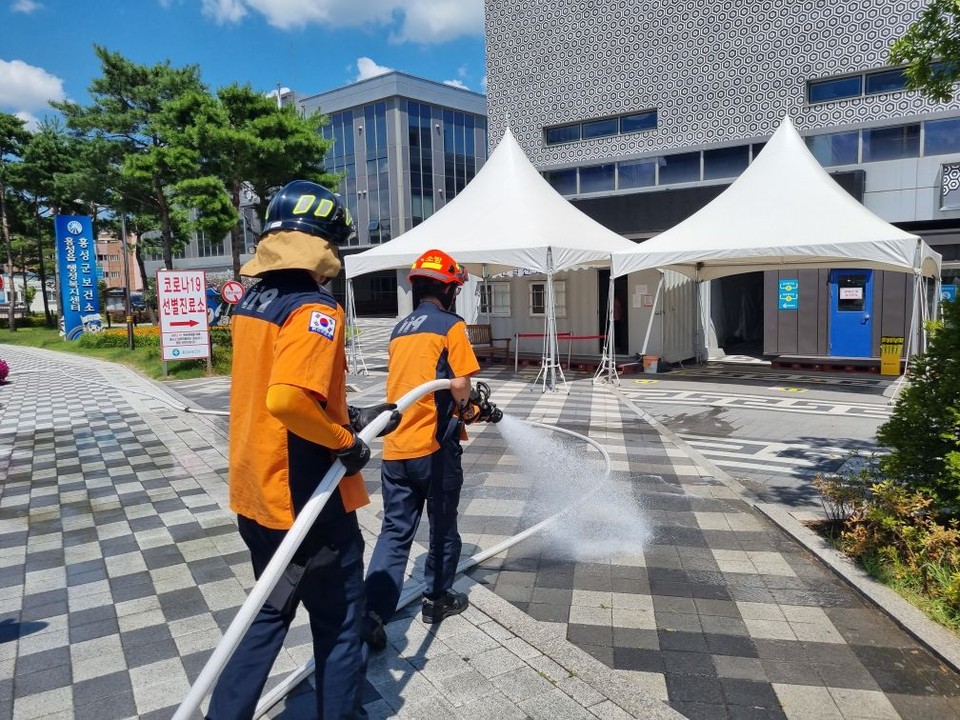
pixel 138 255
pixel 23 274
pixel 42 272
pixel 166 232
pixel 6 239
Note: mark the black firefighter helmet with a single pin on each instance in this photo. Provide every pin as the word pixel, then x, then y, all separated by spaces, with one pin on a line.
pixel 309 208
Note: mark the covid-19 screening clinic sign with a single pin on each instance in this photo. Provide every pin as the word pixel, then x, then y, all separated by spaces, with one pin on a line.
pixel 182 300
pixel 77 264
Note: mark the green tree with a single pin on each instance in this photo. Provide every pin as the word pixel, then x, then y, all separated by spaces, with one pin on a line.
pixel 54 172
pixel 13 137
pixel 250 146
pixel 930 49
pixel 135 108
pixel 923 433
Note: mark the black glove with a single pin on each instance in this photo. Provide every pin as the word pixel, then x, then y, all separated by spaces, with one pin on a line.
pixel 361 417
pixel 355 456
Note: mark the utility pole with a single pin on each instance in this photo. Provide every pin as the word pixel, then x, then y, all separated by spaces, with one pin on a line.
pixel 126 279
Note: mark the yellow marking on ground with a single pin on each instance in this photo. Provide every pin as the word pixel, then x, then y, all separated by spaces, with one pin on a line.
pixel 789 389
pixel 645 382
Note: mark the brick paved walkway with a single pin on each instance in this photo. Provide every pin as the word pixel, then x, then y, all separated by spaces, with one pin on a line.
pixel 120 566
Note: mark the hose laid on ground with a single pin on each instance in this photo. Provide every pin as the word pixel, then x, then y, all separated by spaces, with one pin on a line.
pixel 285 686
pixel 282 557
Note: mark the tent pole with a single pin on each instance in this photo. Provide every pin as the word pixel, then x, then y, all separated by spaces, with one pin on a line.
pixel 698 315
pixel 937 289
pixel 609 361
pixel 358 365
pixel 486 292
pixel 653 315
pixel 553 365
pixel 911 339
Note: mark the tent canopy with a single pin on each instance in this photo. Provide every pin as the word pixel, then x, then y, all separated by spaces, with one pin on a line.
pixel 507 217
pixel 784 211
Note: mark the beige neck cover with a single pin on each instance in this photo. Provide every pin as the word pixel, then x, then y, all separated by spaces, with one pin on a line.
pixel 294 250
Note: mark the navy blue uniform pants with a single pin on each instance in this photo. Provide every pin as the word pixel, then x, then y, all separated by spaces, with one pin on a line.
pixel 331 588
pixel 408 485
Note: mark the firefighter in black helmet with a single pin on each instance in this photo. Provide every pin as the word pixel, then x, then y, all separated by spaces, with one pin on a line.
pixel 289 422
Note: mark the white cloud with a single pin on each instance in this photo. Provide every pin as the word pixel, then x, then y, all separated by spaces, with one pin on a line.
pixel 31 121
pixel 25 6
pixel 456 84
pixel 26 88
pixel 483 82
pixel 462 71
pixel 414 21
pixel 367 68
pixel 436 21
pixel 224 11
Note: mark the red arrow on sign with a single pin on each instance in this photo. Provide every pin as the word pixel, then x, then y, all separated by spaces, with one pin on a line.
pixel 188 323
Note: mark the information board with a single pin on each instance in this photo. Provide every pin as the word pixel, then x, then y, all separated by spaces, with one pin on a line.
pixel 77 263
pixel 789 295
pixel 184 332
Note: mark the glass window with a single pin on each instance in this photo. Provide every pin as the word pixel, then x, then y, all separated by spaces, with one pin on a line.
pixel 684 167
pixel 638 173
pixel 563 181
pixel 495 298
pixel 755 150
pixel 562 134
pixel 725 162
pixel 538 298
pixel 835 148
pixel 886 81
pixel 836 89
pixel 941 137
pixel 600 128
pixel 892 143
pixel 638 122
pixel 597 178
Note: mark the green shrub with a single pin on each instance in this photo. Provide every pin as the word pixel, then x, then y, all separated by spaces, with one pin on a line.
pixel 923 433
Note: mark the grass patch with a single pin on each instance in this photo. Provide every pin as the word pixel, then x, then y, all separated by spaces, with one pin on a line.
pixel 111 346
pixel 911 590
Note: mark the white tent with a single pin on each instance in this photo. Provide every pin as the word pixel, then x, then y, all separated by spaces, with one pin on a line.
pixel 507 217
pixel 784 211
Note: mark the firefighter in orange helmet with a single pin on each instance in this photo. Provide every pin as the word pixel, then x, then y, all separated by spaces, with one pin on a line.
pixel 421 459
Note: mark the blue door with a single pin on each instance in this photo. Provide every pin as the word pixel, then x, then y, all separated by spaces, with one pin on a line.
pixel 851 307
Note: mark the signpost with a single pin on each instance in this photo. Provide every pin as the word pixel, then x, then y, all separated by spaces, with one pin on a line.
pixel 231 292
pixel 77 261
pixel 184 331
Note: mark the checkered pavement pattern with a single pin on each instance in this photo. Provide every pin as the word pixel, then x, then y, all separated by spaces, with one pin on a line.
pixel 719 613
pixel 120 567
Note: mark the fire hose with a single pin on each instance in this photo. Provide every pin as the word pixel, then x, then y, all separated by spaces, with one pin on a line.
pixel 282 557
pixel 414 591
pixel 291 543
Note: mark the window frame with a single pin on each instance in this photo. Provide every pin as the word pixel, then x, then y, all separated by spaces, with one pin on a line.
pixel 495 298
pixel 559 298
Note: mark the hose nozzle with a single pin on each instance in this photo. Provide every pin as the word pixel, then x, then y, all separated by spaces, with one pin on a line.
pixel 480 396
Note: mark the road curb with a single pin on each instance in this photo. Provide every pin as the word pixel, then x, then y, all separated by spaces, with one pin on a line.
pixel 938 640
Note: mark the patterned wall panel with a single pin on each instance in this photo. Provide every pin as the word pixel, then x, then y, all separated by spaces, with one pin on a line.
pixel 718 71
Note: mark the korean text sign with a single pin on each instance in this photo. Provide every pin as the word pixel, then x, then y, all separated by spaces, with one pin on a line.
pixel 77 264
pixel 184 329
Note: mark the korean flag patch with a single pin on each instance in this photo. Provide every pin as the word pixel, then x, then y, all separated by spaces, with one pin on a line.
pixel 322 324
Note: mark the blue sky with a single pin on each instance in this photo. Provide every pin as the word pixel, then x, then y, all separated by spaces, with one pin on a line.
pixel 46 46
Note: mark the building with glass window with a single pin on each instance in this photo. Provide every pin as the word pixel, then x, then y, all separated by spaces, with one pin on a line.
pixel 405 147
pixel 641 113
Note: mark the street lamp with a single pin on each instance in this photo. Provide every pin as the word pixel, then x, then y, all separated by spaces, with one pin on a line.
pixel 126 279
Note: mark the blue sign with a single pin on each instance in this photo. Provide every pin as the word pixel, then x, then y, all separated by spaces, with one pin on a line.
pixel 948 292
pixel 77 263
pixel 789 295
